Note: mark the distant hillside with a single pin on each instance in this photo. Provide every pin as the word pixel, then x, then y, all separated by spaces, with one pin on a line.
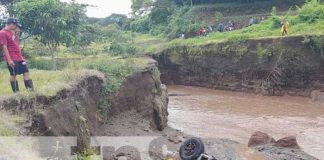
pixel 239 13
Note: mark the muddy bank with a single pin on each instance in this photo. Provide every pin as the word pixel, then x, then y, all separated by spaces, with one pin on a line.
pixel 79 111
pixel 167 143
pixel 71 112
pixel 144 93
pixel 272 66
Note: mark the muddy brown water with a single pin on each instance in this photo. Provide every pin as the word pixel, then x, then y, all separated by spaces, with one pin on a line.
pixel 223 114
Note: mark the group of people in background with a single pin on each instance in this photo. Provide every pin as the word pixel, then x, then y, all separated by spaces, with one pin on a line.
pixel 203 31
pixel 230 26
pixel 223 27
pixel 256 20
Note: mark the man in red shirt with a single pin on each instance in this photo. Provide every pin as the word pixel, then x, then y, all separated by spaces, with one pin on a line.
pixel 16 63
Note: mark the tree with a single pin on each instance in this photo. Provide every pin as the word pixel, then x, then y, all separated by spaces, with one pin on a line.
pixel 7 4
pixel 52 22
pixel 87 35
pixel 141 6
pixel 118 19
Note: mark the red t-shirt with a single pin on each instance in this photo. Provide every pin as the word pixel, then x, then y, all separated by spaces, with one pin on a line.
pixel 8 38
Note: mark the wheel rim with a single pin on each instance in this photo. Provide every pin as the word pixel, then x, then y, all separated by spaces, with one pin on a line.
pixel 190 148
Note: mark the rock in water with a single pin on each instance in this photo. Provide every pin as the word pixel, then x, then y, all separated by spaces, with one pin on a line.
pixel 287 142
pixel 260 138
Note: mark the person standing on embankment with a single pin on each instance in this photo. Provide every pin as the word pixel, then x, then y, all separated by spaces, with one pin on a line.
pixel 284 27
pixel 9 41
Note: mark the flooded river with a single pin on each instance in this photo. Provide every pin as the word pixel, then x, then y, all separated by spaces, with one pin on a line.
pixel 223 114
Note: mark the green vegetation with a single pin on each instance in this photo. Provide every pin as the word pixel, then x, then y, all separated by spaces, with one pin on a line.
pixel 114 35
pixel 147 43
pixel 88 154
pixel 102 39
pixel 262 30
pixel 49 83
pixel 308 21
pixel 172 17
pixel 116 69
pixel 51 22
pixel 60 33
pixel 46 82
pixel 7 125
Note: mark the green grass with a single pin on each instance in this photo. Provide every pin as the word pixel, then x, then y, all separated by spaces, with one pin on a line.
pixel 224 12
pixel 116 69
pixel 245 8
pixel 262 30
pixel 307 20
pixel 48 83
pixel 265 29
pixel 258 31
pixel 45 82
pixel 148 43
pixel 9 124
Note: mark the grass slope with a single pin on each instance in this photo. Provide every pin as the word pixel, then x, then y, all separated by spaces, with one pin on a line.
pixel 262 30
pixel 48 83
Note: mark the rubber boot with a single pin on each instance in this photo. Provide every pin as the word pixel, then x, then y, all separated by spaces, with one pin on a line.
pixel 14 86
pixel 29 84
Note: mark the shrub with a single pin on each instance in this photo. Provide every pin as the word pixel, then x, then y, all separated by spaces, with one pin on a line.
pixel 274 18
pixel 123 49
pixel 183 21
pixel 311 12
pixel 43 63
pixel 140 25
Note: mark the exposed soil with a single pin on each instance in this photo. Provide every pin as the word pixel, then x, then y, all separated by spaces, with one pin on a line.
pixel 78 111
pixel 144 93
pixel 273 66
pixel 138 109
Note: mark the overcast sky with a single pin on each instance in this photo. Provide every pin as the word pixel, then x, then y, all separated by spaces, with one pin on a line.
pixel 104 8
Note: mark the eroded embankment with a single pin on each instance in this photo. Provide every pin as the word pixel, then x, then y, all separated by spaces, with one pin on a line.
pixel 78 111
pixel 271 66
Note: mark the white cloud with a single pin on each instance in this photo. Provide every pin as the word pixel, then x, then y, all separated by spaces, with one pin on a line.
pixel 104 8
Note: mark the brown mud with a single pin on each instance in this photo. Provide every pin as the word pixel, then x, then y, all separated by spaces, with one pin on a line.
pixel 270 66
pixel 231 115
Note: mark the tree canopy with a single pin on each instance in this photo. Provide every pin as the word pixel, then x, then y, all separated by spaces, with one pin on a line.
pixel 51 22
pixel 118 19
